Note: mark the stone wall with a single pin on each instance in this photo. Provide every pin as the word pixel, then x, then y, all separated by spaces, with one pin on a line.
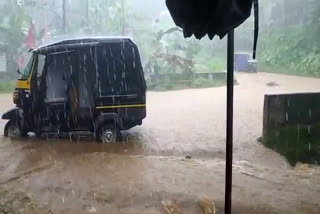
pixel 291 126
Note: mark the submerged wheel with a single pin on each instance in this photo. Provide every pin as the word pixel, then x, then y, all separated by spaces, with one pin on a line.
pixel 109 133
pixel 12 129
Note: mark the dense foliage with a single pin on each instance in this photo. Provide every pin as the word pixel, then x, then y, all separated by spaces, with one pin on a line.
pixel 290 42
pixel 289 34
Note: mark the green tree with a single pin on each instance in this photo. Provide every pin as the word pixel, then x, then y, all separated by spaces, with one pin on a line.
pixel 13 26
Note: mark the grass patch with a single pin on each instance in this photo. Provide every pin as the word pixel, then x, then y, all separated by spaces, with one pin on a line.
pixel 7 86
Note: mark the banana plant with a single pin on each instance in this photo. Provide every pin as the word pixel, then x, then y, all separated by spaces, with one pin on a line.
pixel 166 53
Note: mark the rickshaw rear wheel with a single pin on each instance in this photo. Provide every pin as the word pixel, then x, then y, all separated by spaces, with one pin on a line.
pixel 109 133
pixel 13 130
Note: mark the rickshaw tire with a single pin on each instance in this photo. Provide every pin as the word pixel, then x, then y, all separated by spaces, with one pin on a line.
pixel 23 133
pixel 110 126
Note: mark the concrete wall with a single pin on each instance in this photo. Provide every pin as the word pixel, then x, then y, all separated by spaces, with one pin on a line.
pixel 291 126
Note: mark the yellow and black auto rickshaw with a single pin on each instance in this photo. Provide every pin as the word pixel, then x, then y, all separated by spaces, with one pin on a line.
pixel 93 85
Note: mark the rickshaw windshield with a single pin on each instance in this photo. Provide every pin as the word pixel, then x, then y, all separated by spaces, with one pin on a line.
pixel 26 71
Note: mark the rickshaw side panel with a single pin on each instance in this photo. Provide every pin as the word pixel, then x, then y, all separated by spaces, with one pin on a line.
pixel 121 87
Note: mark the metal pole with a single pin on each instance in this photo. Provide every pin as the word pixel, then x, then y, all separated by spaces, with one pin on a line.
pixel 229 138
pixel 64 21
pixel 87 12
pixel 123 27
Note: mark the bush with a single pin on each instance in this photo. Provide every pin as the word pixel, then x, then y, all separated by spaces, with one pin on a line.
pixel 291 51
pixel 216 65
pixel 207 64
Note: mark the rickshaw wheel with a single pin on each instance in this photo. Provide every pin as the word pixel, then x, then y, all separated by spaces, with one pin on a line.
pixel 13 130
pixel 109 133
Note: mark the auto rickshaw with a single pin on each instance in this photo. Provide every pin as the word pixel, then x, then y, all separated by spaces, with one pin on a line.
pixel 91 85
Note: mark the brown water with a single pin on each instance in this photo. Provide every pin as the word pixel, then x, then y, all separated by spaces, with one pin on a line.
pixel 148 166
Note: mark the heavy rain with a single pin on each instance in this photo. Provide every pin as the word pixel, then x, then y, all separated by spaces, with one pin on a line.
pixel 106 107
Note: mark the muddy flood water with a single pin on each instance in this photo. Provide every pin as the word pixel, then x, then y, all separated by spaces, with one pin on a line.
pixel 148 170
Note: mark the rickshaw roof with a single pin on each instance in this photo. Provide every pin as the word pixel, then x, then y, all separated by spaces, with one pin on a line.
pixel 77 43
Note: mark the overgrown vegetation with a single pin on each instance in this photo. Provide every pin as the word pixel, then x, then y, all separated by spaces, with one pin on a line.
pixel 288 49
pixel 163 49
pixel 289 35
pixel 292 45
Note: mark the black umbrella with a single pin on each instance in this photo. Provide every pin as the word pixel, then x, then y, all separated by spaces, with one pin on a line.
pixel 212 17
pixel 217 17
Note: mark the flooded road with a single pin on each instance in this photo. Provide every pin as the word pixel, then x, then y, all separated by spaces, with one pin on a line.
pixel 148 166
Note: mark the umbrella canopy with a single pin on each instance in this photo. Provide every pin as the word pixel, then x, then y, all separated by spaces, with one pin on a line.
pixel 212 17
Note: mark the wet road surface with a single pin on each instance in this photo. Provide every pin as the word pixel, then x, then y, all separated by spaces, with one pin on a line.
pixel 148 165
